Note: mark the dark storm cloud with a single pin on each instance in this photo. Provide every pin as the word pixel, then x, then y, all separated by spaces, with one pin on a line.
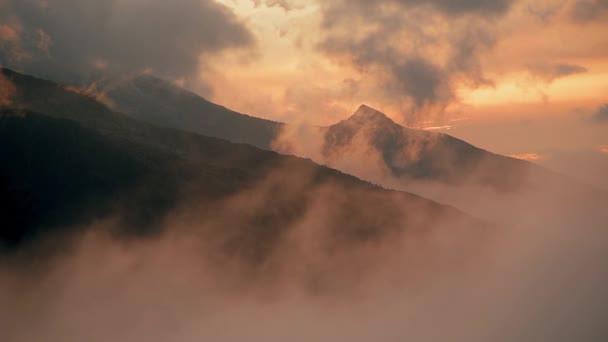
pixel 422 80
pixel 589 10
pixel 66 39
pixel 551 72
pixel 417 49
pixel 457 7
pixel 449 7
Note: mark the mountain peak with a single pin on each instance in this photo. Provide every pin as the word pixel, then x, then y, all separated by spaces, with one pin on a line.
pixel 368 114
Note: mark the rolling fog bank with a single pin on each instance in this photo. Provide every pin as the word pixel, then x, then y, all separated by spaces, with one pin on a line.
pixel 210 275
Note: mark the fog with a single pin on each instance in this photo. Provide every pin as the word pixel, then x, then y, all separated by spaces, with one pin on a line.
pixel 299 255
pixel 211 276
pixel 533 194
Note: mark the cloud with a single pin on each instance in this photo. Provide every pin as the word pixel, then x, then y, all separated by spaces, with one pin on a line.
pixel 8 34
pixel 422 80
pixel 545 12
pixel 190 284
pixel 284 4
pixel 550 72
pixel 449 7
pixel 528 156
pixel 457 7
pixel 588 10
pixel 416 50
pixel 11 49
pixel 66 39
pixel 586 164
pixel 601 114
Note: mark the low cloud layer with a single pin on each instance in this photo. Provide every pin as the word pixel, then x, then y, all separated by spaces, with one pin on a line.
pixel 72 41
pixel 537 283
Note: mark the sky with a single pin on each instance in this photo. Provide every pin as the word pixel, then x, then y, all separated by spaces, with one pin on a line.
pixel 420 60
pixel 517 77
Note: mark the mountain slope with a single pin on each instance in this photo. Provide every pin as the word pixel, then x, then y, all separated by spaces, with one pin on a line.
pixel 437 166
pixel 159 102
pixel 421 155
pixel 65 170
pixel 56 173
pixel 407 153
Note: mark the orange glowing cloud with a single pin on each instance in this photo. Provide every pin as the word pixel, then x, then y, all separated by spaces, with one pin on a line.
pixel 519 63
pixel 7 91
pixel 528 156
pixel 8 33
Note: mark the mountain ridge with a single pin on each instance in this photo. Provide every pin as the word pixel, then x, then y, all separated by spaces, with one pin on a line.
pixel 46 153
pixel 366 113
pixel 462 158
pixel 430 164
pixel 156 101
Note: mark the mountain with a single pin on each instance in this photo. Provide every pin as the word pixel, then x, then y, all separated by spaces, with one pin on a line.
pixel 420 155
pixel 407 153
pixel 70 163
pixel 371 146
pixel 448 170
pixel 159 102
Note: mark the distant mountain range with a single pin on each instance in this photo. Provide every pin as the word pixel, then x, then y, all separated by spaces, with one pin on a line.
pixel 68 162
pixel 406 153
pixel 168 145
pixel 368 145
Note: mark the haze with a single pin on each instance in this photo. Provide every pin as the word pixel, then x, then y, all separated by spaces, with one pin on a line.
pixel 303 170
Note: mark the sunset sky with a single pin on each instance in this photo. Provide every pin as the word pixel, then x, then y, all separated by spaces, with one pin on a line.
pixel 518 77
pixel 319 60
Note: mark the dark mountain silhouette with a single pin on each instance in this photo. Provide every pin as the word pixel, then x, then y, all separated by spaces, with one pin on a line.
pixel 68 162
pixel 57 174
